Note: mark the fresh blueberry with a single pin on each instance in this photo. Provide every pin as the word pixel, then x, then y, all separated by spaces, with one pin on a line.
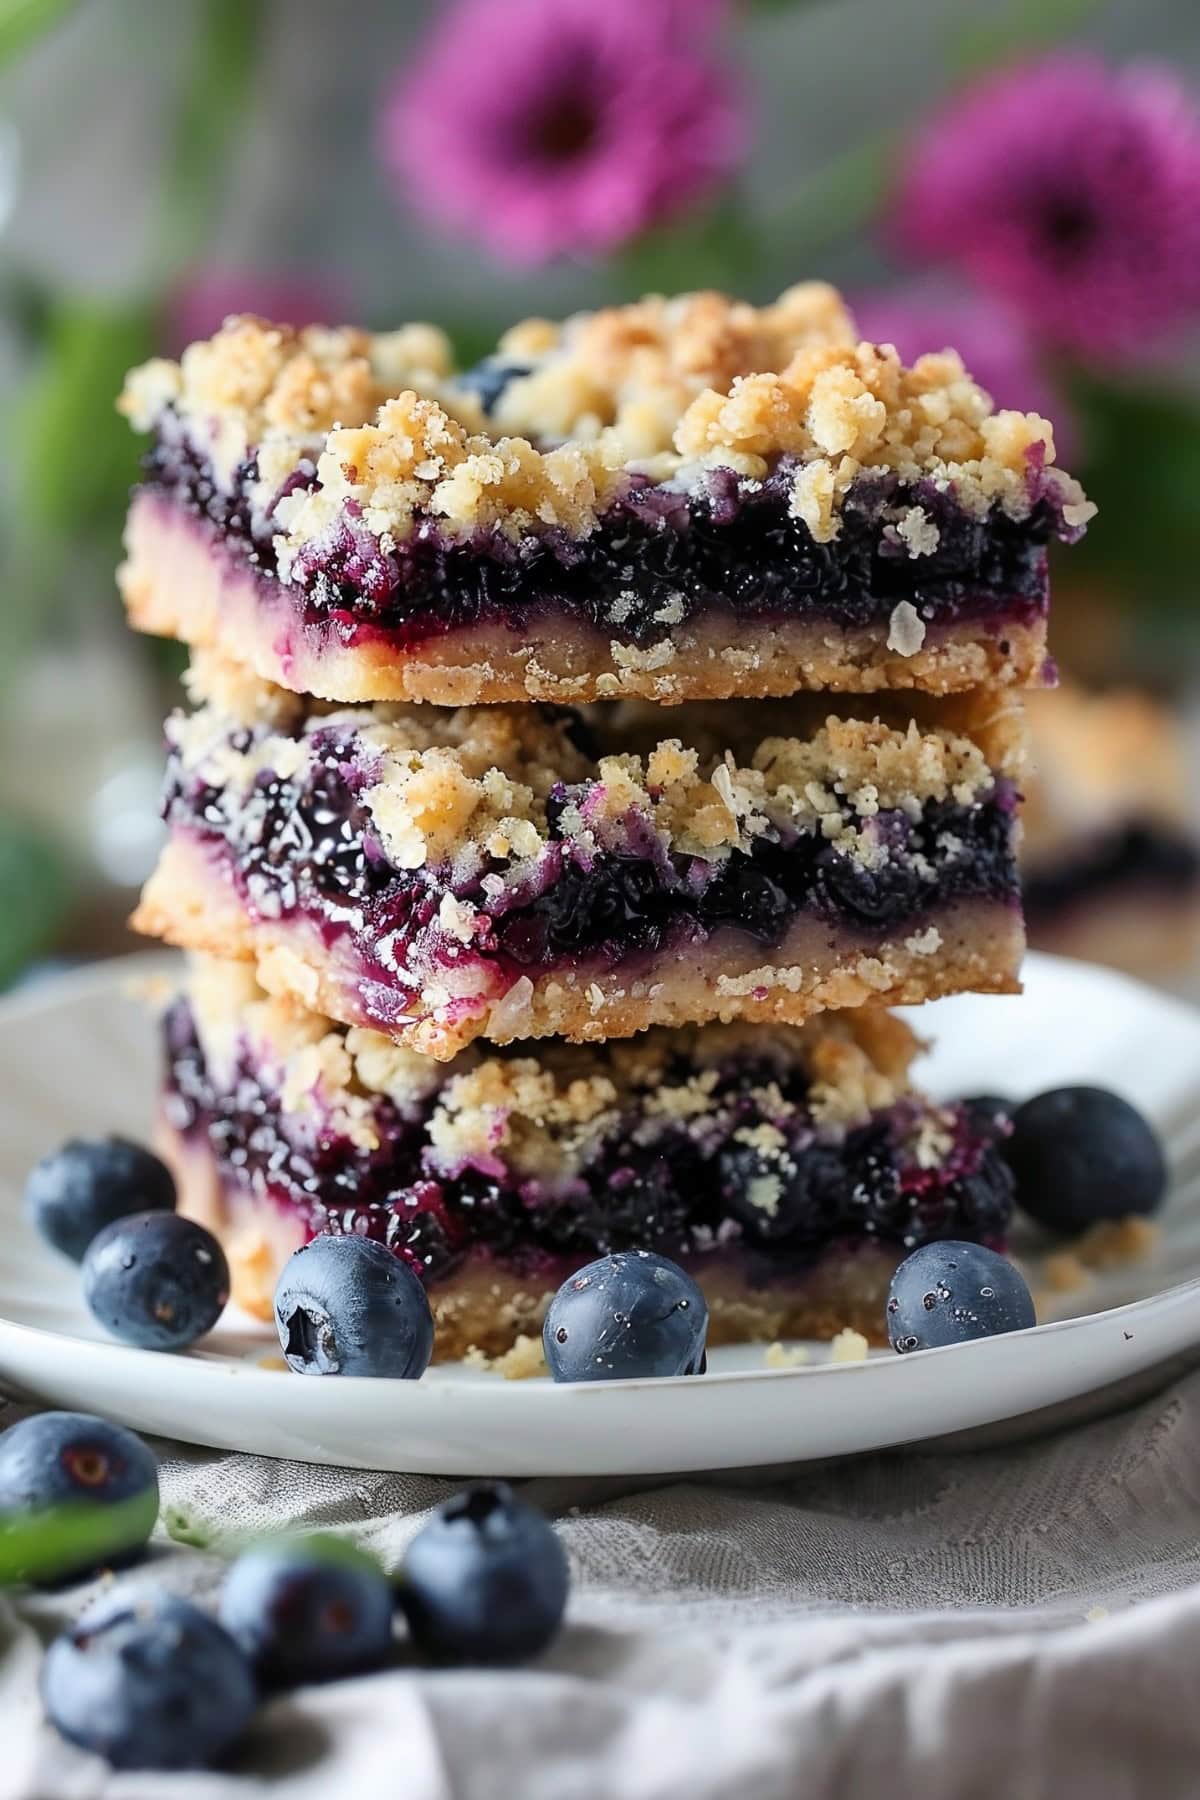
pixel 308 1609
pixel 156 1280
pixel 485 1581
pixel 1082 1154
pixel 149 1682
pixel 76 1192
pixel 632 1313
pixel 488 379
pixel 947 1293
pixel 104 1475
pixel 347 1306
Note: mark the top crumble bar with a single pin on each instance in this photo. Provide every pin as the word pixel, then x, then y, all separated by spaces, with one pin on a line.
pixel 688 498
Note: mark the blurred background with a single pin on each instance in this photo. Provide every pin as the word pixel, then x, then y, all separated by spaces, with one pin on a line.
pixel 1019 178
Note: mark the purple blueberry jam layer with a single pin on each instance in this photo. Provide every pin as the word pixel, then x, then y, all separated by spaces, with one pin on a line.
pixel 445 875
pixel 754 1157
pixel 676 500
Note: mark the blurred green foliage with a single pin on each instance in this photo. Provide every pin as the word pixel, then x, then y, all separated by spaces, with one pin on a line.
pixel 1142 469
pixel 35 895
pixel 21 21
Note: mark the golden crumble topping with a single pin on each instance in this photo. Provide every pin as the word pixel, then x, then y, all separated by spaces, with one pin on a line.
pixel 666 388
pixel 542 1112
pixel 255 384
pixel 454 787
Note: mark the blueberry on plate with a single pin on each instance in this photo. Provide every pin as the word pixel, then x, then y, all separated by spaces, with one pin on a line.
pixel 156 1280
pixel 948 1293
pixel 105 1480
pixel 1082 1154
pixel 307 1609
pixel 74 1193
pixel 632 1313
pixel 485 1581
pixel 346 1306
pixel 149 1682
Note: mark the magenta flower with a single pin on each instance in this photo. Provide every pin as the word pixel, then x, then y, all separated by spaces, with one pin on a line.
pixel 562 127
pixel 993 341
pixel 204 299
pixel 1071 191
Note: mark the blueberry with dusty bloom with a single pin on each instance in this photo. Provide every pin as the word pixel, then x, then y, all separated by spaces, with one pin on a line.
pixel 626 1315
pixel 78 1189
pixel 485 1581
pixel 156 1280
pixel 948 1293
pixel 148 1681
pixel 308 1609
pixel 99 1478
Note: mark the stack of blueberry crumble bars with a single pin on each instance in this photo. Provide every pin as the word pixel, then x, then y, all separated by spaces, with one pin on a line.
pixel 584 749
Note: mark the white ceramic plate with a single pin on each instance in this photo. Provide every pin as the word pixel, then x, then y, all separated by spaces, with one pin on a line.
pixel 77 1055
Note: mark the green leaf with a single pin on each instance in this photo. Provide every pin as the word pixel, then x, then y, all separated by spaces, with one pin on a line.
pixel 838 201
pixel 23 20
pixel 1143 472
pixel 1021 27
pixel 35 896
pixel 78 456
pixel 55 1542
pixel 212 110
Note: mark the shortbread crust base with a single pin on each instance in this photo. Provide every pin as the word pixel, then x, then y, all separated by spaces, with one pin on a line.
pixel 179 580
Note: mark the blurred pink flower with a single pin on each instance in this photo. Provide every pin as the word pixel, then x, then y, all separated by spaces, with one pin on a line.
pixel 1070 190
pixel 207 296
pixel 562 127
pixel 993 341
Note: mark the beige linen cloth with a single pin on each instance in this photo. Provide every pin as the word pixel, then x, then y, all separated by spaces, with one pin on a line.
pixel 1020 1619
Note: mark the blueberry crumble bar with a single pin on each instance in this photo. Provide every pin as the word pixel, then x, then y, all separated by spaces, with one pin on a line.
pixel 687 498
pixel 1111 861
pixel 518 872
pixel 788 1169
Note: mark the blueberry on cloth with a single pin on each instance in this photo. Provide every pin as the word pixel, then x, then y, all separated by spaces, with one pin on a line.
pixel 156 1280
pixel 148 1681
pixel 347 1306
pixel 307 1609
pixel 1082 1154
pixel 948 1293
pixel 104 1477
pixel 632 1313
pixel 485 1581
pixel 78 1190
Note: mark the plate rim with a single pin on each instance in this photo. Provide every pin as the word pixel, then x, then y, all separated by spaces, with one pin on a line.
pixel 1168 1311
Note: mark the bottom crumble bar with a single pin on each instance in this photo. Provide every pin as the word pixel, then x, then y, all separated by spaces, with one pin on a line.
pixel 788 1169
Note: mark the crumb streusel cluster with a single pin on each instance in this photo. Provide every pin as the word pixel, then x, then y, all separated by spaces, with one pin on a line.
pixel 455 787
pixel 668 389
pixel 542 1113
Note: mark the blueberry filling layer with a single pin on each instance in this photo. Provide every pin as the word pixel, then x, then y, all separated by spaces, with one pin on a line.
pixel 658 558
pixel 1140 857
pixel 679 1186
pixel 307 847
